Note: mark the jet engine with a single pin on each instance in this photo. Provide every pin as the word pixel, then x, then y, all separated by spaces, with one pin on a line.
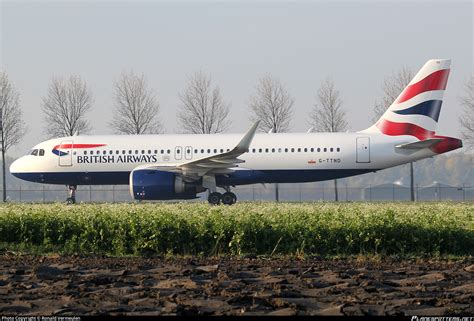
pixel 149 184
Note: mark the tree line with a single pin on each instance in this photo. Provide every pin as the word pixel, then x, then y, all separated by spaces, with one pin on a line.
pixel 202 109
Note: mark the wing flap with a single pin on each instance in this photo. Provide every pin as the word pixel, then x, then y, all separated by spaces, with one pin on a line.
pixel 228 160
pixel 214 165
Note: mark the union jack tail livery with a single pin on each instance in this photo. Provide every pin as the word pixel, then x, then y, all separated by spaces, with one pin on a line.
pixel 416 110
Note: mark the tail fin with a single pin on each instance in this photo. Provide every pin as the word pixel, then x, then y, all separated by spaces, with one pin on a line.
pixel 416 110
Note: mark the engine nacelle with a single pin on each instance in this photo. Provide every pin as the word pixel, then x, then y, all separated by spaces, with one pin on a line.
pixel 146 184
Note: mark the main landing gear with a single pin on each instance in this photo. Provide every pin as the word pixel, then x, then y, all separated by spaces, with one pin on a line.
pixel 228 198
pixel 71 195
pixel 215 198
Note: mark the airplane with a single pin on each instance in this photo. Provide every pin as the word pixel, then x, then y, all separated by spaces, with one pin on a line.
pixel 165 167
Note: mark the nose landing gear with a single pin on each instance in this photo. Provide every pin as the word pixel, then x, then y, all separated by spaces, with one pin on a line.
pixel 71 199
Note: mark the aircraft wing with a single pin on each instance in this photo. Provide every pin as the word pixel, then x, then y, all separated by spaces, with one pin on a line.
pixel 216 164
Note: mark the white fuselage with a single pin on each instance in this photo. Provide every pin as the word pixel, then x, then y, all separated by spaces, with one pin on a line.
pixel 298 157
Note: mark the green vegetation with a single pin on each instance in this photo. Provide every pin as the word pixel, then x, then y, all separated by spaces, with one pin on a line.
pixel 427 229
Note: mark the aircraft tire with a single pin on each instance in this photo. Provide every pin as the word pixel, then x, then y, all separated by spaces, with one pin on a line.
pixel 229 198
pixel 215 198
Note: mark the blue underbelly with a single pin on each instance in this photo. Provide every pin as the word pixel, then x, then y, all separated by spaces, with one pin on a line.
pixel 240 177
pixel 244 177
pixel 77 178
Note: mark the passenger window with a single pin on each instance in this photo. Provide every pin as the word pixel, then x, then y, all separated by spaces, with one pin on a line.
pixel 111 152
pixel 331 149
pixel 123 152
pixel 338 149
pixel 162 151
pixel 319 150
pixel 222 150
pixel 208 151
pixel 136 151
pixel 286 150
pixel 305 150
pixel 215 150
pixel 259 150
pixel 292 150
pixel 98 152
pixel 195 151
pixel 104 152
pixel 312 149
pixel 273 150
pixel 85 152
pixel 41 152
pixel 155 151
pixel 279 150
pixel 325 149
pixel 129 151
pixel 253 150
pixel 143 152
pixel 168 151
pixel 266 150
pixel 299 150
pixel 228 149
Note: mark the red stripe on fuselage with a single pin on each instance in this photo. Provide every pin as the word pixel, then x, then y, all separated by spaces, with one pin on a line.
pixel 434 81
pixel 396 129
pixel 68 146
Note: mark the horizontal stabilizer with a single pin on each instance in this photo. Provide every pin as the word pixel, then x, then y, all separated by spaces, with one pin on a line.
pixel 420 144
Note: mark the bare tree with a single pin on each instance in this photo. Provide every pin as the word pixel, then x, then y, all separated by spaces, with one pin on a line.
pixel 393 85
pixel 66 105
pixel 467 119
pixel 202 110
pixel 136 107
pixel 273 106
pixel 12 127
pixel 328 115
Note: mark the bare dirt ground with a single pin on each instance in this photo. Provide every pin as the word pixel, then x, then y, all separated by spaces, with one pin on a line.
pixel 69 285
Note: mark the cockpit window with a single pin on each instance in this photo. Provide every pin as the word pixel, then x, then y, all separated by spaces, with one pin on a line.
pixel 34 152
pixel 41 152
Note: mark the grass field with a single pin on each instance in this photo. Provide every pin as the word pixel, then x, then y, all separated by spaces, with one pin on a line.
pixel 325 229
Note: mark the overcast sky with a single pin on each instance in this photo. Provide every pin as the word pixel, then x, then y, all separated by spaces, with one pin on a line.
pixel 357 44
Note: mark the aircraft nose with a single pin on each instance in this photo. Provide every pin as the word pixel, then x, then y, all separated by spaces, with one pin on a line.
pixel 15 167
pixel 21 168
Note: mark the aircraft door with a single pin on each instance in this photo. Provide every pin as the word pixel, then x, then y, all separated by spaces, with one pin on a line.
pixel 363 149
pixel 178 152
pixel 65 153
pixel 188 152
